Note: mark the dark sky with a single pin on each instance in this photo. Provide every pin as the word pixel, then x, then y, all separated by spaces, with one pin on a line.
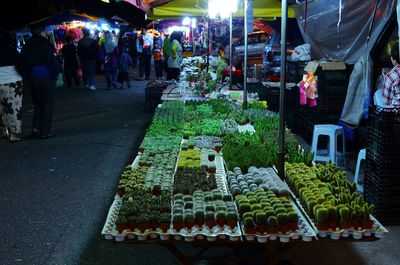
pixel 18 13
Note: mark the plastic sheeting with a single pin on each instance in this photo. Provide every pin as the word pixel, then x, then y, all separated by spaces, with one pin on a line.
pixel 342 36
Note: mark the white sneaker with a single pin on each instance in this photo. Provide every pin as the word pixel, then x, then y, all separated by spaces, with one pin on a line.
pixel 92 87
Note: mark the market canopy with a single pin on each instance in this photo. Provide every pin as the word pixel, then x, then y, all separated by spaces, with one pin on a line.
pixel 181 8
pixel 69 15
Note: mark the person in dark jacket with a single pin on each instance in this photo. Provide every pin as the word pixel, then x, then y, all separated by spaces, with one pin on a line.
pixel 88 51
pixel 42 67
pixel 71 63
pixel 109 57
pixel 11 88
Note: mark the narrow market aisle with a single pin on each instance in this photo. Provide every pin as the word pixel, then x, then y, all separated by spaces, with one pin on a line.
pixel 56 192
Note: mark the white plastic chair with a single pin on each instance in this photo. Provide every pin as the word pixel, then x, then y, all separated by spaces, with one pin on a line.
pixel 361 156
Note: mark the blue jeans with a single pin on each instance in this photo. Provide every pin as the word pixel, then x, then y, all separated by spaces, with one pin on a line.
pixel 111 74
pixel 89 72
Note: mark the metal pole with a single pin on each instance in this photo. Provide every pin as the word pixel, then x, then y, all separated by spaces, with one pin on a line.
pixel 281 163
pixel 208 43
pixel 230 50
pixel 246 3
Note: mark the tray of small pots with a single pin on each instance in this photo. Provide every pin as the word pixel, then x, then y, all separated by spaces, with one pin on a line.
pixel 331 203
pixel 209 215
pixel 265 216
pixel 139 216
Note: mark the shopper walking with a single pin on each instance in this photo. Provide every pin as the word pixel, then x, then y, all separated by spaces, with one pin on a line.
pixel 88 52
pixel 43 68
pixel 158 61
pixel 139 53
pixel 175 59
pixel 109 57
pixel 71 62
pixel 148 46
pixel 124 64
pixel 11 88
pixel 167 53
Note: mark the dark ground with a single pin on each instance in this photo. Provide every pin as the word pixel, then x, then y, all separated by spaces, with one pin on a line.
pixel 55 193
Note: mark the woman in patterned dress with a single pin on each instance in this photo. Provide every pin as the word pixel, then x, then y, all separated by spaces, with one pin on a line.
pixel 10 88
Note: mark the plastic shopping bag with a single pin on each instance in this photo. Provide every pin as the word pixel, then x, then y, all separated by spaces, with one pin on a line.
pixel 302 53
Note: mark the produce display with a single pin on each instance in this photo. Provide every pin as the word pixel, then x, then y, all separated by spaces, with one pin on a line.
pixel 199 174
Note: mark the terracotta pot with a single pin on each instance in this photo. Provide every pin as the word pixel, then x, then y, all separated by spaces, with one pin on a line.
pixel 121 228
pixel 154 225
pixel 367 224
pixel 283 228
pixel 164 227
pixel 356 224
pixel 232 223
pixel 272 230
pixel 261 229
pixel 322 227
pixel 199 222
pixel 345 225
pixel 189 224
pixel 132 226
pixel 210 224
pixel 212 170
pixel 293 226
pixel 121 191
pixel 221 222
pixel 178 226
pixel 332 225
pixel 250 230
pixel 218 148
pixel 141 149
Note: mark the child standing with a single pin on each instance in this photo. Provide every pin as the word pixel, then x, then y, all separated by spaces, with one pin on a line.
pixel 158 60
pixel 124 64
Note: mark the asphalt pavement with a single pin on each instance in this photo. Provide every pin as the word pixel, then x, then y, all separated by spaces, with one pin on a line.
pixel 55 193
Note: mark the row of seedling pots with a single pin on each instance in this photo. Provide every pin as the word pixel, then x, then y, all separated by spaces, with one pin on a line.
pixel 332 204
pixel 264 178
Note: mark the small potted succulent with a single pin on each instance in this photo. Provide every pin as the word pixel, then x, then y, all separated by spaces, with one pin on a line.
pixel 121 223
pixel 260 220
pixel 221 218
pixel 210 219
pixel 332 217
pixel 165 222
pixel 132 222
pixel 143 222
pixel 322 218
pixel 177 221
pixel 272 225
pixel 345 215
pixel 293 220
pixel 199 218
pixel 154 218
pixel 218 147
pixel 283 222
pixel 249 226
pixel 232 218
pixel 366 221
pixel 189 220
pixel 121 190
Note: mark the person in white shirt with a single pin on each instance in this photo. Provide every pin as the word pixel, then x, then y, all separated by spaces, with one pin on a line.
pixel 148 45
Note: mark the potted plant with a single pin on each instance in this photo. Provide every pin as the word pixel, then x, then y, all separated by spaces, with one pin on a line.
pixel 221 218
pixel 283 222
pixel 121 223
pixel 132 222
pixel 322 218
pixel 293 220
pixel 332 217
pixel 345 214
pixel 177 221
pixel 143 222
pixel 210 219
pixel 272 225
pixel 231 219
pixel 218 147
pixel 261 220
pixel 366 221
pixel 211 168
pixel 189 220
pixel 249 226
pixel 165 222
pixel 199 218
pixel 121 190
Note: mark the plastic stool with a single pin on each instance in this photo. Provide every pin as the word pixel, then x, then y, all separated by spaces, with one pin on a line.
pixel 332 131
pixel 361 156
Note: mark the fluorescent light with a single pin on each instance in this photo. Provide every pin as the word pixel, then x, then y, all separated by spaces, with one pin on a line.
pixel 222 8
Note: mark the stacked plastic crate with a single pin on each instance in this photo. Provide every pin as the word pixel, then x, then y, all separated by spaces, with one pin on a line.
pixel 382 182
